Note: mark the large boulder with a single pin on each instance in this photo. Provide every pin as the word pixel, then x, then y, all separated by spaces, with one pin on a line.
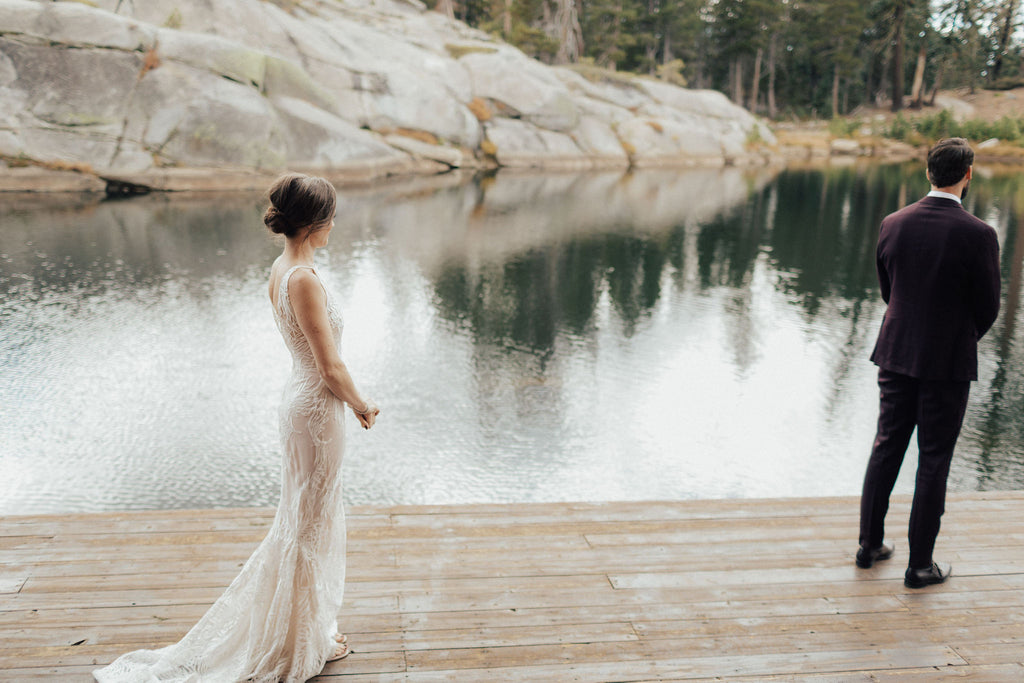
pixel 519 144
pixel 525 88
pixel 662 141
pixel 73 25
pixel 598 140
pixel 317 138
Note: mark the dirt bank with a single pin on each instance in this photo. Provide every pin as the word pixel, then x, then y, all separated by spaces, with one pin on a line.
pixel 862 132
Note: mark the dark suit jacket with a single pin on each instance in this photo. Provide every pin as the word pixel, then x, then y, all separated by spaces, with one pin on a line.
pixel 938 267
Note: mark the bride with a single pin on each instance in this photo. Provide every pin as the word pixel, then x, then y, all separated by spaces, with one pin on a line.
pixel 277 619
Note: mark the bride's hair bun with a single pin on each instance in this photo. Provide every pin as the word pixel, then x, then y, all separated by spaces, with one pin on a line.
pixel 299 204
pixel 277 223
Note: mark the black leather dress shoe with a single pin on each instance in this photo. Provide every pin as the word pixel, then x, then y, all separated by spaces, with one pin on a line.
pixel 919 578
pixel 868 556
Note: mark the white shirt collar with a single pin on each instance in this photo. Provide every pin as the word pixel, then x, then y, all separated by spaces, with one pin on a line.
pixel 945 195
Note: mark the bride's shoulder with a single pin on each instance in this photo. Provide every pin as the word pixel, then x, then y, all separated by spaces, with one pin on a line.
pixel 303 282
pixel 291 278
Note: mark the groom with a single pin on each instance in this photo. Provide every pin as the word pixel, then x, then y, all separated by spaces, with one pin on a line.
pixel 938 269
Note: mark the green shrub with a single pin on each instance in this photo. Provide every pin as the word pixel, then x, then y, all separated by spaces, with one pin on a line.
pixel 672 72
pixel 843 128
pixel 900 128
pixel 1007 129
pixel 173 19
pixel 938 126
pixel 458 51
pixel 975 130
pixel 930 129
pixel 754 136
pixel 597 74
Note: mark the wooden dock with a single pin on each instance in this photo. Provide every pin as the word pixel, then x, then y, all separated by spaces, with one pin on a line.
pixel 737 590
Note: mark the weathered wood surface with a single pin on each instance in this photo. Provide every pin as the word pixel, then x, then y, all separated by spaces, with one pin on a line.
pixel 738 590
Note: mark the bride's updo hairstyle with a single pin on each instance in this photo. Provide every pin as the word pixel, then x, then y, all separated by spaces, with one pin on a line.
pixel 299 203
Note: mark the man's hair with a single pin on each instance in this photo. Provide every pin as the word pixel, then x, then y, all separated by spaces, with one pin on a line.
pixel 948 161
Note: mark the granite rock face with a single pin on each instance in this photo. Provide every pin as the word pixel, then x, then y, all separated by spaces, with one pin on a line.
pixel 130 87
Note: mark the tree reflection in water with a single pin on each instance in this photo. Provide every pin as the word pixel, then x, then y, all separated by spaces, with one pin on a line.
pixel 811 232
pixel 663 333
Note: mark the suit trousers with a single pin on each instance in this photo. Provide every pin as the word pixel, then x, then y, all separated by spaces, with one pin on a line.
pixel 937 409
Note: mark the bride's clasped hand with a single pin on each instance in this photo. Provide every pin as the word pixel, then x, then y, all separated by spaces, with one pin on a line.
pixel 367 415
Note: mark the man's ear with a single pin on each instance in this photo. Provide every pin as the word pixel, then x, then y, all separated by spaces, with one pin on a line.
pixel 970 172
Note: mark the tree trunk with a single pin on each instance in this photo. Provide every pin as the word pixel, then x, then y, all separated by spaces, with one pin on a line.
pixel 737 81
pixel 570 34
pixel 917 90
pixel 755 82
pixel 666 48
pixel 579 27
pixel 613 41
pixel 835 90
pixel 506 20
pixel 897 55
pixel 772 111
pixel 938 84
pixel 651 48
pixel 447 8
pixel 869 73
pixel 1005 33
pixel 732 78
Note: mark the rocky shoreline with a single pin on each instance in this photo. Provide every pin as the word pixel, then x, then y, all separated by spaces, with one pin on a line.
pixel 187 94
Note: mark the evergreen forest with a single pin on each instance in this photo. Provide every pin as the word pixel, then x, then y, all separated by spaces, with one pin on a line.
pixel 777 58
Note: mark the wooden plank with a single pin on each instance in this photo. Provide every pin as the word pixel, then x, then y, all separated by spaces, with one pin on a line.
pixel 643 605
pixel 1009 651
pixel 845 623
pixel 360 629
pixel 781 577
pixel 11 584
pixel 999 673
pixel 162 520
pixel 497 636
pixel 95 656
pixel 748 508
pixel 602 663
pixel 70 674
pixel 758 536
pixel 375 663
pixel 150 597
pixel 78 655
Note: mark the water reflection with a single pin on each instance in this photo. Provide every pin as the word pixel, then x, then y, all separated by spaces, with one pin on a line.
pixel 995 440
pixel 606 336
pixel 815 233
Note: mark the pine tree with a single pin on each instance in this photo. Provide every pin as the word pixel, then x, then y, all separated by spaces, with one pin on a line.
pixel 608 30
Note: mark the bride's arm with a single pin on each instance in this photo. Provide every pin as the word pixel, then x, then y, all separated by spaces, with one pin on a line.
pixel 309 302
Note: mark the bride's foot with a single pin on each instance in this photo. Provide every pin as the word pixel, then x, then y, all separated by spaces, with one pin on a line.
pixel 340 651
pixel 340 638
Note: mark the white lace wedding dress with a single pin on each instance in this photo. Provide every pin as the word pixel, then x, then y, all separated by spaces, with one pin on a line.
pixel 277 619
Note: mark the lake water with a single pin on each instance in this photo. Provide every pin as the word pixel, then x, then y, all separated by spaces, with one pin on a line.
pixel 655 335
